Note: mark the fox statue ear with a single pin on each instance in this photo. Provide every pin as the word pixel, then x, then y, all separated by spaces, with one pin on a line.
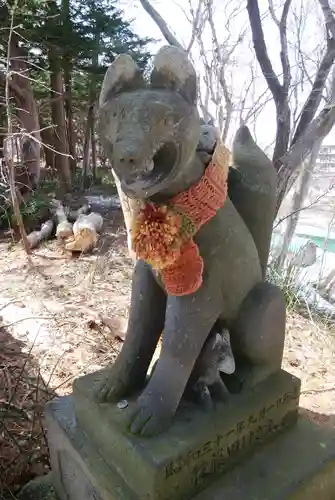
pixel 172 69
pixel 122 75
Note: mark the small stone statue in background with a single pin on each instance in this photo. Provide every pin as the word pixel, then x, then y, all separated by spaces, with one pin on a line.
pixel 202 235
pixel 209 136
pixel 205 384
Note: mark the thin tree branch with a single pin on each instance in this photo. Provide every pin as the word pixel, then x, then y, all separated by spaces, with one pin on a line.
pixel 329 17
pixel 273 13
pixel 284 50
pixel 261 50
pixel 258 106
pixel 162 25
pixel 314 202
pixel 195 26
pixel 314 98
pixel 208 77
pixel 221 62
pixel 317 130
pixel 279 92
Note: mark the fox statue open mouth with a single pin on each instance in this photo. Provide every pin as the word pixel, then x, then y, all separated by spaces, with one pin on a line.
pixel 153 174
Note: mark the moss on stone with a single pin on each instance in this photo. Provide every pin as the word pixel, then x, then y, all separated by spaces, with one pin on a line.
pixel 40 488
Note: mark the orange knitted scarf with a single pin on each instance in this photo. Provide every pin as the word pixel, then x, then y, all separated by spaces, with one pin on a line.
pixel 163 235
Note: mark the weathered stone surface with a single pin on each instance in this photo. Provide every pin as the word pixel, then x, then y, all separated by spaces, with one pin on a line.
pixel 79 471
pixel 41 488
pixel 253 182
pixel 299 465
pixel 197 448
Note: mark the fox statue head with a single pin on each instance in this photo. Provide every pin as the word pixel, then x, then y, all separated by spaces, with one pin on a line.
pixel 149 128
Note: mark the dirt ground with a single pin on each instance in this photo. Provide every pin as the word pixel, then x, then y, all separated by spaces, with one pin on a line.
pixel 54 316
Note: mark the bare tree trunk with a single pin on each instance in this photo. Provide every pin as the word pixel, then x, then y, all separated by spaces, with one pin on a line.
pixel 310 128
pixel 67 69
pixel 47 137
pixel 35 237
pixel 92 99
pixel 297 201
pixel 316 131
pixel 87 145
pixel 94 149
pixel 58 118
pixel 2 131
pixel 26 112
pixel 69 114
pixel 12 45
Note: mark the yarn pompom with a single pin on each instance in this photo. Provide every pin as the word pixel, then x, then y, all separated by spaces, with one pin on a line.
pixel 156 235
pixel 185 275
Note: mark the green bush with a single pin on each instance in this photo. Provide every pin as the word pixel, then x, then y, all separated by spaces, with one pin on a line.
pixel 36 207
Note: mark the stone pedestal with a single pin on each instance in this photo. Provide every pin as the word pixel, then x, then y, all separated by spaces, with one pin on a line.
pixel 197 448
pixel 201 456
pixel 78 470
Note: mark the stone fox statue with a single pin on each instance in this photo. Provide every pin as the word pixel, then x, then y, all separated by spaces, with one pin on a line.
pixel 201 253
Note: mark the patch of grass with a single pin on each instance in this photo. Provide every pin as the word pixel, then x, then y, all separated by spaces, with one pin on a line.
pixel 286 279
pixel 106 177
